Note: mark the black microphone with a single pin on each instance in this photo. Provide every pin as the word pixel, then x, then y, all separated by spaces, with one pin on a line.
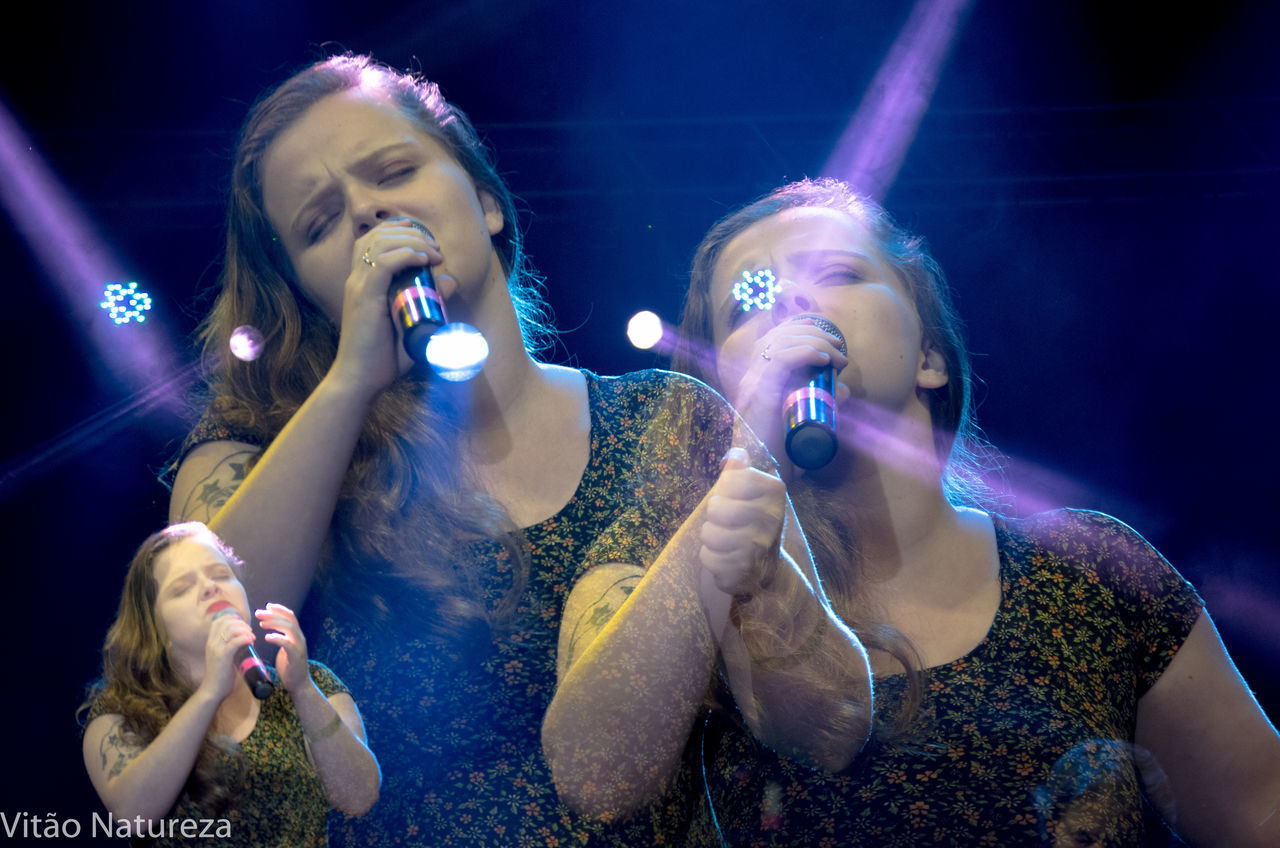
pixel 810 411
pixel 251 665
pixel 416 306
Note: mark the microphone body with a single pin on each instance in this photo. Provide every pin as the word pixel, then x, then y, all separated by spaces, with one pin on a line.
pixel 251 666
pixel 809 412
pixel 416 307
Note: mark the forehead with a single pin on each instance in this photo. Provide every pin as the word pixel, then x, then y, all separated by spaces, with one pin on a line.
pixel 336 130
pixel 185 555
pixel 782 241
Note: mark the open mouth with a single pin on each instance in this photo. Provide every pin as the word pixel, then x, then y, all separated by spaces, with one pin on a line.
pixel 217 605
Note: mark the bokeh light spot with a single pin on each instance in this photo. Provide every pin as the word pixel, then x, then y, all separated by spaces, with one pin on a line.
pixel 246 343
pixel 644 329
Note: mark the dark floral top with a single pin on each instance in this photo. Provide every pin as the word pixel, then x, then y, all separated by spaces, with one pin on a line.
pixel 1027 740
pixel 456 725
pixel 281 802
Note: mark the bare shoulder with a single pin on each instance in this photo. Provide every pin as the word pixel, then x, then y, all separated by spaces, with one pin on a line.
pixel 207 478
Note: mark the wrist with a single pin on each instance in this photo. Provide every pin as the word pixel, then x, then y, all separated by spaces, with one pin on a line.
pixel 347 389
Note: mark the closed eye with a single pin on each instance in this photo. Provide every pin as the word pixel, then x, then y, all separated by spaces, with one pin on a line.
pixel 396 174
pixel 320 227
pixel 839 277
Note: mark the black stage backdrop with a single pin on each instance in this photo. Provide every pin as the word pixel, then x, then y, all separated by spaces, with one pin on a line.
pixel 1098 178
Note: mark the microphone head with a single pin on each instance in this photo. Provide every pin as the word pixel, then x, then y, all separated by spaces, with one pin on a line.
pixel 416 224
pixel 810 412
pixel 226 611
pixel 825 324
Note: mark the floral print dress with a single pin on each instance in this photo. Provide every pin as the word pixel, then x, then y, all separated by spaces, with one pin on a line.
pixel 1026 740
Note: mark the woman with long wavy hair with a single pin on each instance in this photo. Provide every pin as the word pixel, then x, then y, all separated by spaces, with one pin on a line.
pixel 510 572
pixel 176 737
pixel 1048 680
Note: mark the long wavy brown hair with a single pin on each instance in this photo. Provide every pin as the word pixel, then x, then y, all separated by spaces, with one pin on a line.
pixel 966 455
pixel 407 511
pixel 140 682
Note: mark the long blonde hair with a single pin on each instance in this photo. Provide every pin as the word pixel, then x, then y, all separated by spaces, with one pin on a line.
pixel 140 682
pixel 405 506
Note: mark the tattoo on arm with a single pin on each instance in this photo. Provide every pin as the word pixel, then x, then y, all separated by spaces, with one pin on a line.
pixel 210 494
pixel 113 745
pixel 598 613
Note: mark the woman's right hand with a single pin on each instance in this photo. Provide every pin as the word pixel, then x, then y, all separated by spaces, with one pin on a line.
pixel 227 634
pixel 370 350
pixel 777 365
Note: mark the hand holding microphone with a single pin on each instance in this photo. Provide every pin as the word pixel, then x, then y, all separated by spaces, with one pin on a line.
pixel 456 351
pixel 415 303
pixel 250 665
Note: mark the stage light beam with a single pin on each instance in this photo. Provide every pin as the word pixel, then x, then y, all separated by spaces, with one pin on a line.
pixel 73 257
pixel 874 145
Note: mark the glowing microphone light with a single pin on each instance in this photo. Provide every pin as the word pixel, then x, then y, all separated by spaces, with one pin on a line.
pixel 251 666
pixel 810 411
pixel 459 351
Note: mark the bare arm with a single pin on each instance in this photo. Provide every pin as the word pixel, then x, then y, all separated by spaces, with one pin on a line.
pixel 800 677
pixel 1220 753
pixel 334 731
pixel 293 485
pixel 277 516
pixel 636 659
pixel 637 650
pixel 339 750
pixel 145 781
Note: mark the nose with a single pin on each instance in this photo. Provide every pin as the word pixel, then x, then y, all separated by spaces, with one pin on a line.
pixel 790 301
pixel 208 587
pixel 367 211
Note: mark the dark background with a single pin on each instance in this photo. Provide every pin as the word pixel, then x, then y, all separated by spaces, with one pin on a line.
pixel 1098 178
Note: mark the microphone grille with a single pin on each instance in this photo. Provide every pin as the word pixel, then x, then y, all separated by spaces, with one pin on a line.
pixel 824 324
pixel 417 225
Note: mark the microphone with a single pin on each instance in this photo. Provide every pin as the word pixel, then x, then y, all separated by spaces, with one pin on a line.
pixel 810 411
pixel 251 665
pixel 456 351
pixel 416 305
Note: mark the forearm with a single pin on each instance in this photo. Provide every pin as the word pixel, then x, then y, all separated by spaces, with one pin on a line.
pixel 279 517
pixel 149 783
pixel 346 766
pixel 616 729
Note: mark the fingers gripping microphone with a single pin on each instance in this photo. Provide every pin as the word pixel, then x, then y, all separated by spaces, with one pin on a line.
pixel 416 306
pixel 810 411
pixel 456 351
pixel 251 666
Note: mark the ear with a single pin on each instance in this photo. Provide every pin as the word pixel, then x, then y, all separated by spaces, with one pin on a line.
pixel 493 217
pixel 932 370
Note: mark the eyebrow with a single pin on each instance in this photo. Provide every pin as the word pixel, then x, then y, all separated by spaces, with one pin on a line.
pixel 363 162
pixel 811 258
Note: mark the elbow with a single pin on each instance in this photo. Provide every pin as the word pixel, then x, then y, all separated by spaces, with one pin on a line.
pixel 359 796
pixel 600 784
pixel 359 802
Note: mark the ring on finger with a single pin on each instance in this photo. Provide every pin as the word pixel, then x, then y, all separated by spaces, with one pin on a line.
pixel 764 354
pixel 367 260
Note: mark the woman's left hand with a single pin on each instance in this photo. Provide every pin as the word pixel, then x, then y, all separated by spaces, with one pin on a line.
pixel 743 526
pixel 291 659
